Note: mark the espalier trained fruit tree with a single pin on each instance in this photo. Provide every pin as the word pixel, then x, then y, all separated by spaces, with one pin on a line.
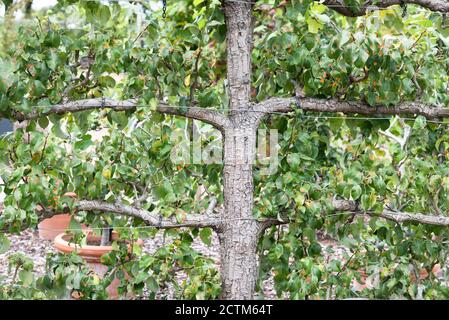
pixel 357 92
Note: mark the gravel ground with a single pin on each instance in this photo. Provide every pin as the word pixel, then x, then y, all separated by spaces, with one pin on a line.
pixel 32 246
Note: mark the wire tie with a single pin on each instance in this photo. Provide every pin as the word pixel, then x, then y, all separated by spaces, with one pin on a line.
pixel 160 221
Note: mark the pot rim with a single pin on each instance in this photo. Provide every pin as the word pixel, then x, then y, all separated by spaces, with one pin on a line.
pixel 55 219
pixel 90 252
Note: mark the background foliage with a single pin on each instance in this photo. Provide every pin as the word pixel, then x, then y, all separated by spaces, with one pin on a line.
pixel 382 58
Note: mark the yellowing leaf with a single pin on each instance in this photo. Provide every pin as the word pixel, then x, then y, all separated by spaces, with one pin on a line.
pixel 313 25
pixel 201 23
pixel 318 8
pixel 181 215
pixel 300 198
pixel 197 2
pixel 187 80
pixel 153 104
pixel 106 174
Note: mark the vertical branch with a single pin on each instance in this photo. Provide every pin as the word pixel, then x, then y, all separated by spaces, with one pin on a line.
pixel 238 16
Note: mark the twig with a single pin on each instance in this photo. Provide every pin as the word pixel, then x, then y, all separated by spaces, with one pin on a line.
pixel 43 149
pixel 141 33
pixel 195 76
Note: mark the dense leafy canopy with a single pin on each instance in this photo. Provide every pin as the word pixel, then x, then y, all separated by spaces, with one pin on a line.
pixel 93 49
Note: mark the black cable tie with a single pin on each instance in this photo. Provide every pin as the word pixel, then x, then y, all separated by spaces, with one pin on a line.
pixel 103 102
pixel 298 102
pixel 160 221
pixel 357 208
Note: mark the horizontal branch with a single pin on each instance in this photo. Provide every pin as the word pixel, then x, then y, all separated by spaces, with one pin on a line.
pixel 400 217
pixel 372 5
pixel 284 105
pixel 210 116
pixel 150 219
pixel 213 117
pixel 78 106
pixel 352 207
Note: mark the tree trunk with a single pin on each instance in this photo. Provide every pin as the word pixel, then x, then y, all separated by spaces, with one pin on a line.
pixel 239 265
pixel 239 232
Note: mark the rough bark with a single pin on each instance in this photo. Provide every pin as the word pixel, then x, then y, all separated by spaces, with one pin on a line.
pixel 239 231
pixel 284 105
pixel 151 219
pixel 351 206
pixel 370 5
pixel 396 216
pixel 239 46
pixel 210 116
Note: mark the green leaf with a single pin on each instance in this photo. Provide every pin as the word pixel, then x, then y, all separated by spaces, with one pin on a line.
pixel 106 81
pixel 57 130
pixel 314 249
pixel 141 277
pixel 344 37
pixel 43 122
pixel 52 39
pixel 205 235
pixel 26 277
pixel 293 160
pixel 77 280
pixel 4 243
pixel 103 14
pixel 356 192
pixel 304 157
pixel 84 143
pixel 152 284
pixel 74 225
pixel 279 250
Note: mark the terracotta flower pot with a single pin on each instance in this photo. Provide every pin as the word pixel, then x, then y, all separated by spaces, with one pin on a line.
pixel 92 255
pixel 357 286
pixel 423 273
pixel 51 227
